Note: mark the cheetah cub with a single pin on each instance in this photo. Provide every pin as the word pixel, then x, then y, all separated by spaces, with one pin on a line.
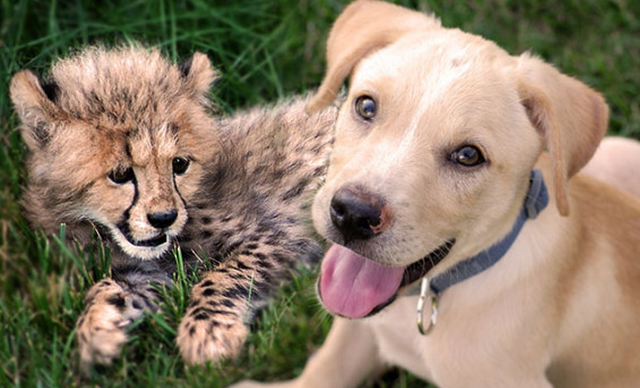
pixel 121 142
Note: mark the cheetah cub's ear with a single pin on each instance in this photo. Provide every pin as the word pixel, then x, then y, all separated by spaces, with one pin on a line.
pixel 35 102
pixel 198 75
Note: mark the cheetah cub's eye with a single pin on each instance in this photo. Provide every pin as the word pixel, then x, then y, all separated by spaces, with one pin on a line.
pixel 121 176
pixel 180 165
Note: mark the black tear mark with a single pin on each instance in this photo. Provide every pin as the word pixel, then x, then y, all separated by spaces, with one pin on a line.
pixel 123 224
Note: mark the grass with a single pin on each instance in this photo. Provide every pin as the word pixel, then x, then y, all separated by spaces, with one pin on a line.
pixel 264 50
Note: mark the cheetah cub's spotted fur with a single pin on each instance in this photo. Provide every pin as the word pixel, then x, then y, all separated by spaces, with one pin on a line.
pixel 121 142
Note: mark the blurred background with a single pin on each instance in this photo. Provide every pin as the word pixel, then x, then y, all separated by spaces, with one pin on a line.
pixel 265 51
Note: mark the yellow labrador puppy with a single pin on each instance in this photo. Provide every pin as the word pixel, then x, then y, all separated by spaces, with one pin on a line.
pixel 467 250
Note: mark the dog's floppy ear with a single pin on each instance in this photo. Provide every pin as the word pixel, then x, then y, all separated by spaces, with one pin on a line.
pixel 34 100
pixel 363 27
pixel 570 116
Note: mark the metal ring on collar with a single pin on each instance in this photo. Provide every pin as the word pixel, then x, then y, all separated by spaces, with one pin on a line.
pixel 427 292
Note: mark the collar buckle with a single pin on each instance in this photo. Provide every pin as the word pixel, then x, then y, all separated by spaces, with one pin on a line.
pixel 427 294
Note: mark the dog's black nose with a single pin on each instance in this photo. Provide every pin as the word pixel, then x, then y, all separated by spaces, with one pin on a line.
pixel 358 214
pixel 162 220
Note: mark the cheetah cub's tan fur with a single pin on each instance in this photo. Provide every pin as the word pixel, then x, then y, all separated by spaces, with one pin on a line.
pixel 121 142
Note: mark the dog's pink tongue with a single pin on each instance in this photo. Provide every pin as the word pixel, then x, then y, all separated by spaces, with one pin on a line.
pixel 352 285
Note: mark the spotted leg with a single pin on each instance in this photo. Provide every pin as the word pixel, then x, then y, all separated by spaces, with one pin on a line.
pixel 214 326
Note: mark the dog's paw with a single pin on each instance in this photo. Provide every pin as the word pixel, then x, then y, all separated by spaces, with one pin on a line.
pixel 101 329
pixel 210 335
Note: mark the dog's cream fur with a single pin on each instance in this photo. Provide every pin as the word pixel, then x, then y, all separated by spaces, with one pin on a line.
pixel 616 162
pixel 562 307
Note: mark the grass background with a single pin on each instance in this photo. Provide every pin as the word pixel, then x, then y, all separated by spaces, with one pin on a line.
pixel 265 50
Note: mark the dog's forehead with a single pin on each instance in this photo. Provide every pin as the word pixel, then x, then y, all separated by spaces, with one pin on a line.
pixel 433 61
pixel 451 73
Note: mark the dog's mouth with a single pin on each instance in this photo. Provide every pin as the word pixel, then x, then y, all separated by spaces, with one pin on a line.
pixel 353 286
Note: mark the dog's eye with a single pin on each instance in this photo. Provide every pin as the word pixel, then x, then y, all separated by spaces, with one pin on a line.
pixel 468 156
pixel 180 165
pixel 365 107
pixel 120 176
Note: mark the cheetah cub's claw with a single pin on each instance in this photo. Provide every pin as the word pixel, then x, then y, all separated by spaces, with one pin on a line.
pixel 210 336
pixel 101 329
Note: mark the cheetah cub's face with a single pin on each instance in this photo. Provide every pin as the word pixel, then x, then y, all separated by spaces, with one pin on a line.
pixel 117 138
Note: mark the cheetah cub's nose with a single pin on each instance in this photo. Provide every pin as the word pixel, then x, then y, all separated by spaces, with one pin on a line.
pixel 162 220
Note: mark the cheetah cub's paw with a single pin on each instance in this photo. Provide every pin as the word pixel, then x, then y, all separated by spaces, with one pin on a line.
pixel 101 329
pixel 207 334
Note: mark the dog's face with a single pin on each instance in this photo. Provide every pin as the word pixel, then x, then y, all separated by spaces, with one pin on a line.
pixel 434 146
pixel 440 140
